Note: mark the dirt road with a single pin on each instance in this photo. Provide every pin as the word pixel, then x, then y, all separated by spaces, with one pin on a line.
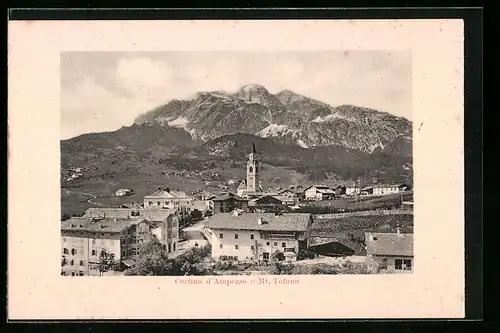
pixel 92 197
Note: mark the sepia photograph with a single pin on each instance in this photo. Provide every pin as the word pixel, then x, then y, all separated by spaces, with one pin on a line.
pixel 236 163
pixel 236 169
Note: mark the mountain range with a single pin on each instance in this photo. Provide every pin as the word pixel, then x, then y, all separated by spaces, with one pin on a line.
pixel 291 131
pixel 286 117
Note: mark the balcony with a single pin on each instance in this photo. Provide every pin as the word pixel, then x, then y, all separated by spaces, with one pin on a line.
pixel 280 236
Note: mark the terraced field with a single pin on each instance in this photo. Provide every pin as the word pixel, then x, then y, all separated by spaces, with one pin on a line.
pixel 325 227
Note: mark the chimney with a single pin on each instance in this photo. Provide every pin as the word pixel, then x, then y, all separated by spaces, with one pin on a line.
pixel 259 221
pixel 370 237
pixel 398 230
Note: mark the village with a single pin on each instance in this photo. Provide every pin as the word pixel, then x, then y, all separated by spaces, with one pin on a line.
pixel 246 230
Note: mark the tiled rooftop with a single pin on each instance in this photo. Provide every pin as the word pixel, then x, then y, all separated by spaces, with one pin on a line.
pixel 227 196
pixel 150 214
pixel 389 244
pixel 110 225
pixel 249 221
pixel 162 193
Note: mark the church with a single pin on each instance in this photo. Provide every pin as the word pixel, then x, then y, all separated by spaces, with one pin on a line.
pixel 251 187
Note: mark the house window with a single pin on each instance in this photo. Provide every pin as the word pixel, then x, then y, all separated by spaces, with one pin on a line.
pixel 81 262
pixel 81 273
pixel 220 246
pixel 275 243
pixel 150 203
pixel 250 169
pixel 94 252
pixel 283 244
pixel 124 253
pixel 407 265
pixel 73 251
pixel 252 247
pixel 221 235
pixel 169 248
pixel 65 251
pixel 72 262
pixel 398 264
pixel 251 236
pixel 235 236
pixel 174 246
pixel 159 203
pixel 102 234
pixel 72 273
pixel 236 247
pixel 221 209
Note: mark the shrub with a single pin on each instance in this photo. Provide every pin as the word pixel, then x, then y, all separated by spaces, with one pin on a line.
pixel 224 266
pixel 278 268
pixel 304 254
pixel 196 214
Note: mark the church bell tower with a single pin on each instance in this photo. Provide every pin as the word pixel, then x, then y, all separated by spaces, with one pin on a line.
pixel 253 171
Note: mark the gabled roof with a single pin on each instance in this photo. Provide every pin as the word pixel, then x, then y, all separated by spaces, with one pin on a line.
pixel 389 185
pixel 151 214
pixel 326 191
pixel 319 187
pixel 243 185
pixel 389 244
pixel 164 194
pixel 110 225
pixel 249 221
pixel 283 198
pixel 272 197
pixel 227 196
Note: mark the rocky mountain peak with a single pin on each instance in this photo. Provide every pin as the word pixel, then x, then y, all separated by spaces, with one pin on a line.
pixel 287 97
pixel 256 93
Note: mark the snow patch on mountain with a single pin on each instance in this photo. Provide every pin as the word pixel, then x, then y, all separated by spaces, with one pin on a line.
pixel 371 148
pixel 222 94
pixel 302 143
pixel 274 130
pixel 180 122
pixel 328 118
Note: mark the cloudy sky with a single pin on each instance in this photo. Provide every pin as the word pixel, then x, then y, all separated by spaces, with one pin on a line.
pixel 102 91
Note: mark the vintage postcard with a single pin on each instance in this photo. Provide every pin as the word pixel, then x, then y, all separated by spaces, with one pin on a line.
pixel 236 169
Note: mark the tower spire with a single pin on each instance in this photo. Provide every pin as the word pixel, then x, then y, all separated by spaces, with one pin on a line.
pixel 253 148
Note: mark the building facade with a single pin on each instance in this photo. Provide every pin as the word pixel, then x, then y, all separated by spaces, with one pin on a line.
pixel 319 192
pixel 167 221
pixel 389 189
pixel 392 250
pixel 83 239
pixel 167 199
pixel 259 236
pixel 228 202
pixel 352 190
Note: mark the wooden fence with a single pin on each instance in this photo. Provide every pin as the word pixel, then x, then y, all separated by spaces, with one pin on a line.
pixel 364 213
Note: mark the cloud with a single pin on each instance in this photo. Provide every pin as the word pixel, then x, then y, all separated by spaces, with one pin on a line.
pixel 90 107
pixel 102 91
